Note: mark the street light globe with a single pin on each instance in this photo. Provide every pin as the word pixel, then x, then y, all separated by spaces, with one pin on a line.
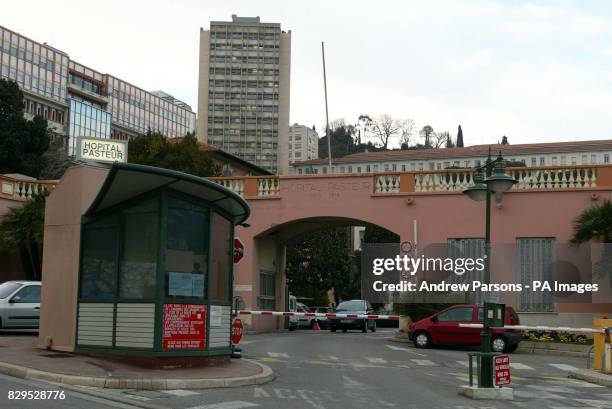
pixel 500 182
pixel 478 191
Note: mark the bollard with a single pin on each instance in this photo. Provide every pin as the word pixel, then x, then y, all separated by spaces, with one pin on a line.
pixel 601 347
pixel 606 365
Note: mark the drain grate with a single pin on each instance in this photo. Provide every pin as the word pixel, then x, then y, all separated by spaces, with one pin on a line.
pixel 57 355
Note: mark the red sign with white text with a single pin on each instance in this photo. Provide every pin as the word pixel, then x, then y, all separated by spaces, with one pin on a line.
pixel 237 330
pixel 184 326
pixel 502 370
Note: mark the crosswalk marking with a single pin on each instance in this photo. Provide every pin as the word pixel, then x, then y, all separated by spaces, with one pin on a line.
pixel 424 362
pixel 377 360
pixel 564 367
pixel 278 355
pixel 181 392
pixel 236 404
pixel 518 365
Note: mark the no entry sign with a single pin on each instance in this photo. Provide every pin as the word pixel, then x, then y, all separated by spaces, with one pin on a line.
pixel 237 330
pixel 502 370
pixel 238 250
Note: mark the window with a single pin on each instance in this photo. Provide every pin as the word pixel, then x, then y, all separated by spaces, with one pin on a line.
pixel 563 161
pixel 138 264
pixel 534 161
pixel 584 159
pixel 593 159
pixel 535 258
pixel 467 248
pixel 459 314
pixel 7 289
pixel 186 250
pixel 606 158
pixel 29 294
pixel 267 290
pixel 554 161
pixel 222 259
pixel 99 259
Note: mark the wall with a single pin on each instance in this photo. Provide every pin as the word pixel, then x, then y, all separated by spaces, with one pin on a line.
pixel 439 216
pixel 67 202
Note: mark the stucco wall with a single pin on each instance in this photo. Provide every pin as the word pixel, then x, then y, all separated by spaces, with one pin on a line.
pixel 65 205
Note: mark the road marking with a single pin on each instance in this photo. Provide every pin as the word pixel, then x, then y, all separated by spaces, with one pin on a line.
pixel 333 358
pixel 387 404
pixel 393 347
pixel 424 362
pixel 584 384
pixel 260 393
pixel 376 360
pixel 463 363
pixel 600 404
pixel 235 404
pixel 518 365
pixel 278 355
pixel 181 392
pixel 564 367
pixel 351 383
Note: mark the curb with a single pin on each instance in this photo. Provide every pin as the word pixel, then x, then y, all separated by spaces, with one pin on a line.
pixel 592 377
pixel 16 371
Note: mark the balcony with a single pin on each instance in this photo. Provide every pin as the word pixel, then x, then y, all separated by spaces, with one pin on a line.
pixel 22 189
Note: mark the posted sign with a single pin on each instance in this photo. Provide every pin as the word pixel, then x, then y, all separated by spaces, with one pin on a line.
pixel 184 326
pixel 102 150
pixel 502 370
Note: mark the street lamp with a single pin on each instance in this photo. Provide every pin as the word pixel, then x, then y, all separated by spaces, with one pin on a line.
pixel 495 182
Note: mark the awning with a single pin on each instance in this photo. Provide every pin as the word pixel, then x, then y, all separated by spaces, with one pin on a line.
pixel 128 180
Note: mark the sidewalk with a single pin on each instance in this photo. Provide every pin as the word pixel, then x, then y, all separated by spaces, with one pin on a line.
pixel 20 358
pixel 592 376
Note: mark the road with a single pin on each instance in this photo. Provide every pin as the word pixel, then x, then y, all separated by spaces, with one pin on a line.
pixel 324 370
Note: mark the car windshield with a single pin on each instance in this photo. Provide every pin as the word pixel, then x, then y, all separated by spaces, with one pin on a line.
pixel 7 289
pixel 355 305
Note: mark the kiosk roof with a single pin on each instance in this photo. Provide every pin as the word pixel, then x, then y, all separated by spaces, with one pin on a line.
pixel 128 180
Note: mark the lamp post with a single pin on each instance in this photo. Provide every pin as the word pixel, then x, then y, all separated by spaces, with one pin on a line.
pixel 497 182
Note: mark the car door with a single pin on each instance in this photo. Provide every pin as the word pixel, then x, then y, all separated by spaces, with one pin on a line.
pixel 23 309
pixel 445 325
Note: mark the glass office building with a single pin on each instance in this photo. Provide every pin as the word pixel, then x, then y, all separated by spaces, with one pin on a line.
pixel 79 101
pixel 88 121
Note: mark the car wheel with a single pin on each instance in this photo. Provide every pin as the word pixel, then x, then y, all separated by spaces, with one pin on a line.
pixel 333 329
pixel 365 327
pixel 499 344
pixel 373 329
pixel 343 329
pixel 422 340
pixel 291 328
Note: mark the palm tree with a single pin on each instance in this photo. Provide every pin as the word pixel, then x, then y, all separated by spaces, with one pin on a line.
pixel 595 224
pixel 21 230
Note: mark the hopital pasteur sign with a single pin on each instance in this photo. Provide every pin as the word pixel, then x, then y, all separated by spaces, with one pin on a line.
pixel 102 150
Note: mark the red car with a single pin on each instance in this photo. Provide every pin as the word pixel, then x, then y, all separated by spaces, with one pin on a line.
pixel 443 328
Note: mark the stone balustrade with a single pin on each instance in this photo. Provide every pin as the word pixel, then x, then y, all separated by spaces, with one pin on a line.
pixel 436 181
pixel 23 189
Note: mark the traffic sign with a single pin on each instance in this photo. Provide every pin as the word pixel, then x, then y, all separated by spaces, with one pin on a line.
pixel 238 250
pixel 502 370
pixel 237 330
pixel 406 247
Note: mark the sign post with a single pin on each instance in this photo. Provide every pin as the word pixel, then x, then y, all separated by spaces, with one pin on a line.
pixel 502 370
pixel 237 331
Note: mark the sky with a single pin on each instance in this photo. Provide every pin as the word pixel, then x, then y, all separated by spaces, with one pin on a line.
pixel 534 71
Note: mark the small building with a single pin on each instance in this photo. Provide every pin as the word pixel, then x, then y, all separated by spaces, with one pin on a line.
pixel 138 262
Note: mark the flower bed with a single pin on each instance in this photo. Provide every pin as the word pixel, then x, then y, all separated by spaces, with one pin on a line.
pixel 559 337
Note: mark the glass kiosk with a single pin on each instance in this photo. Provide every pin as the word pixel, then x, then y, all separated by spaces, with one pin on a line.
pixel 155 275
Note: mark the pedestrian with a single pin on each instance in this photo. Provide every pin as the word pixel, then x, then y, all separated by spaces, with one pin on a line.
pixel 331 298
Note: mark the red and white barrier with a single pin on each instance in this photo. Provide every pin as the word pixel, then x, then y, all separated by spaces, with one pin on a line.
pixel 318 315
pixel 541 328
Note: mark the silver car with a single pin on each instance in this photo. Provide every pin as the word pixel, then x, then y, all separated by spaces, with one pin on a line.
pixel 19 304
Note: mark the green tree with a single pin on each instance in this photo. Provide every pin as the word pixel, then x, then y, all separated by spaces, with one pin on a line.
pixel 459 137
pixel 595 224
pixel 427 133
pixel 22 142
pixel 21 230
pixel 319 260
pixel 184 155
